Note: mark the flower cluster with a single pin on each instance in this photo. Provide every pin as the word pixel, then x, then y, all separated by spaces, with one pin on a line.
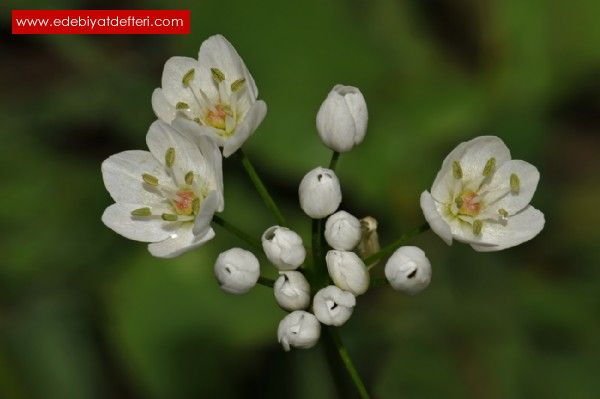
pixel 168 196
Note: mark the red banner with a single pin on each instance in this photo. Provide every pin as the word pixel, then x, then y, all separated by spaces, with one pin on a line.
pixel 100 22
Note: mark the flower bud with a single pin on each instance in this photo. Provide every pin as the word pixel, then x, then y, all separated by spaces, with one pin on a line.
pixel 320 193
pixel 343 231
pixel 298 329
pixel 237 270
pixel 408 270
pixel 283 247
pixel 292 291
pixel 347 271
pixel 342 118
pixel 332 306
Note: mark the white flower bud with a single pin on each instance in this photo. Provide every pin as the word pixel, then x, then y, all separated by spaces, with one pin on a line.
pixel 320 193
pixel 298 329
pixel 408 270
pixel 342 118
pixel 343 231
pixel 237 270
pixel 283 247
pixel 332 306
pixel 292 291
pixel 347 271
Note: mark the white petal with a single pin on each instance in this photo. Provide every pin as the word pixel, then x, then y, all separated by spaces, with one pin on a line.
pixel 434 218
pixel 214 159
pixel 146 229
pixel 122 175
pixel 172 80
pixel 162 136
pixel 500 195
pixel 183 240
pixel 193 131
pixel 207 210
pixel 162 108
pixel 472 156
pixel 252 119
pixel 217 52
pixel 519 228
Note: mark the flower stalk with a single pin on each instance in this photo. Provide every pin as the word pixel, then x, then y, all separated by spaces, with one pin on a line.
pixel 247 238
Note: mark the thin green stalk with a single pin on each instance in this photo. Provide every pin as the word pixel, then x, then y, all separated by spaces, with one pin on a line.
pixel 335 156
pixel 347 362
pixel 396 244
pixel 253 242
pixel 260 187
pixel 267 282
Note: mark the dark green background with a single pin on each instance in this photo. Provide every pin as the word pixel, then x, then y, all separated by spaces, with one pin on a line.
pixel 85 313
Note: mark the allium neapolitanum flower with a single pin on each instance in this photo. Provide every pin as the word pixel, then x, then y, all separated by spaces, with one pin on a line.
pixel 481 197
pixel 237 270
pixel 343 231
pixel 167 196
pixel 408 270
pixel 216 91
pixel 333 306
pixel 292 291
pixel 298 329
pixel 320 193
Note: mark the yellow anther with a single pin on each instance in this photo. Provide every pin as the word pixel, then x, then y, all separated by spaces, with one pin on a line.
pixel 170 157
pixel 457 170
pixel 189 178
pixel 169 217
pixel 217 75
pixel 477 226
pixel 490 165
pixel 238 84
pixel 459 202
pixel 182 105
pixel 188 77
pixel 515 184
pixel 149 179
pixel 141 212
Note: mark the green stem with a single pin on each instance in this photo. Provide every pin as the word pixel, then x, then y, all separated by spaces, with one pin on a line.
pixel 347 362
pixel 335 156
pixel 253 242
pixel 396 244
pixel 267 282
pixel 260 187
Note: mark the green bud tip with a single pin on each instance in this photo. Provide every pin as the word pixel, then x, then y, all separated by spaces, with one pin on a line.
pixel 188 77
pixel 490 165
pixel 218 76
pixel 457 170
pixel 189 177
pixel 149 179
pixel 477 225
pixel 169 217
pixel 182 105
pixel 141 212
pixel 515 183
pixel 238 84
pixel 170 157
pixel 196 206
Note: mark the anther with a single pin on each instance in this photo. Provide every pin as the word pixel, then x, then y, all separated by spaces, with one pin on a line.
pixel 169 217
pixel 182 105
pixel 515 183
pixel 141 212
pixel 490 165
pixel 457 170
pixel 189 178
pixel 238 84
pixel 459 202
pixel 217 75
pixel 477 225
pixel 149 179
pixel 170 157
pixel 188 77
pixel 503 213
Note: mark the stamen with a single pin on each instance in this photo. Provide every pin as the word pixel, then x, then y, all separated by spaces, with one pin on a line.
pixel 218 76
pixel 515 183
pixel 189 178
pixel 477 226
pixel 457 170
pixel 149 179
pixel 490 165
pixel 459 202
pixel 182 105
pixel 188 77
pixel 196 206
pixel 197 120
pixel 503 212
pixel 170 157
pixel 238 84
pixel 141 212
pixel 169 217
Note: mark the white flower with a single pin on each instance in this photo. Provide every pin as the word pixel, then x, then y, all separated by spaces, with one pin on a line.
pixel 343 231
pixel 408 270
pixel 237 270
pixel 347 271
pixel 292 291
pixel 332 306
pixel 481 197
pixel 320 193
pixel 283 247
pixel 167 196
pixel 342 118
pixel 298 329
pixel 215 93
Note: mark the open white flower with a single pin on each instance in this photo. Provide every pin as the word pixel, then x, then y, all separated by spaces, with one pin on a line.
pixel 167 196
pixel 215 93
pixel 481 197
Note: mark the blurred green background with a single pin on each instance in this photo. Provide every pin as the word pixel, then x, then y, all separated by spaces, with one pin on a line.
pixel 85 313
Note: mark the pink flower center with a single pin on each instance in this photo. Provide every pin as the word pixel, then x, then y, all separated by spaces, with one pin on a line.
pixel 184 202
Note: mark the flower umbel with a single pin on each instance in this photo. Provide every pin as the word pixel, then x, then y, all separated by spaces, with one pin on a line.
pixel 481 197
